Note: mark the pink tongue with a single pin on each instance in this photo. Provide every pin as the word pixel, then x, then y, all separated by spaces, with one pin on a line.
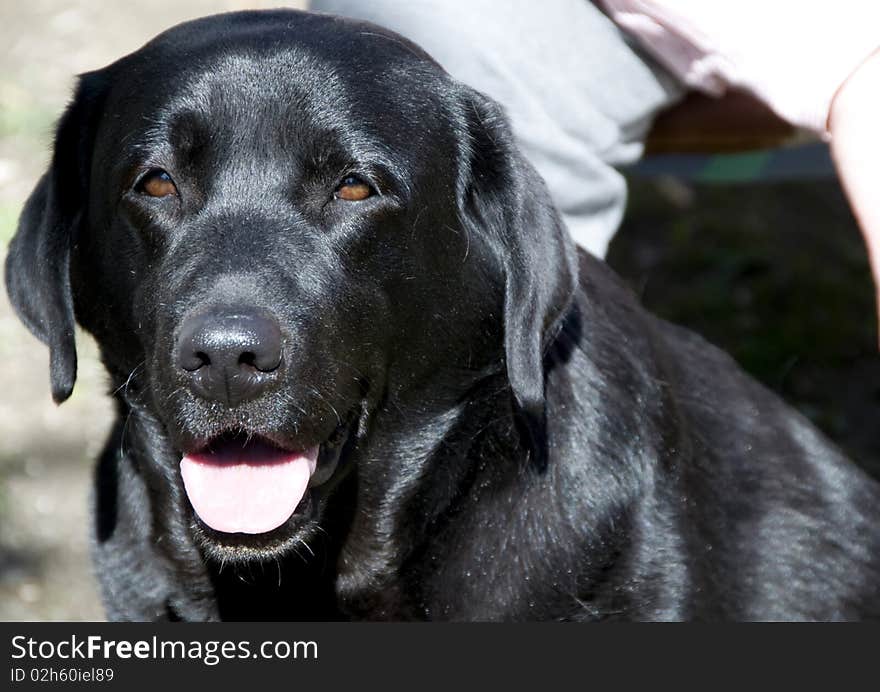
pixel 250 488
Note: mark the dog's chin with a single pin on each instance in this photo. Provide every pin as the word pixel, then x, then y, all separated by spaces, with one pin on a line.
pixel 293 536
pixel 256 497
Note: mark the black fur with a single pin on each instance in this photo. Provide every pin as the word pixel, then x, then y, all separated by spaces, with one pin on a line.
pixel 521 439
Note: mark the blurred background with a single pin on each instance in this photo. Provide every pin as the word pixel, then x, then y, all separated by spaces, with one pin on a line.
pixel 770 268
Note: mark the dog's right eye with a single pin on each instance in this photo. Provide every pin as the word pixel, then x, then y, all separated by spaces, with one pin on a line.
pixel 156 183
pixel 353 188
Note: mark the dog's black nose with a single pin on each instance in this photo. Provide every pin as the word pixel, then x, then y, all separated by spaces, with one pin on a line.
pixel 229 355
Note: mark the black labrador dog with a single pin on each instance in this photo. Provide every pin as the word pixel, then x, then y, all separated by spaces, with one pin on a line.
pixel 361 372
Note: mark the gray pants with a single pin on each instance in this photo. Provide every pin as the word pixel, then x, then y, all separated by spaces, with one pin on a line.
pixel 578 94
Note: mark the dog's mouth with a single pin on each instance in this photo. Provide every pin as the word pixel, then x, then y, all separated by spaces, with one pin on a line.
pixel 242 483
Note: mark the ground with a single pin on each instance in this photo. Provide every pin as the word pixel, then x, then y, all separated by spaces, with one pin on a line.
pixel 775 274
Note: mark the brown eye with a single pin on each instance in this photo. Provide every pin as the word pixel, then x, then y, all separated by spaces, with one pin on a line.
pixel 353 189
pixel 156 183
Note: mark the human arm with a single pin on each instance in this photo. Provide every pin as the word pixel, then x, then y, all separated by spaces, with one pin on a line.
pixel 854 126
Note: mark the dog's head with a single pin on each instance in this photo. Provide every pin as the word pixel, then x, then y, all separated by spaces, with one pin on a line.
pixel 280 228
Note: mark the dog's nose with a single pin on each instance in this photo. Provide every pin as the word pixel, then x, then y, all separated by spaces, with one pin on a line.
pixel 229 355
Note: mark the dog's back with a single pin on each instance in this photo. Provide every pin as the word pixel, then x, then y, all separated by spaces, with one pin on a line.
pixel 750 512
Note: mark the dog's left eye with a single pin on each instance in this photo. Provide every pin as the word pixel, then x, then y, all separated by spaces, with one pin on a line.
pixel 353 189
pixel 156 183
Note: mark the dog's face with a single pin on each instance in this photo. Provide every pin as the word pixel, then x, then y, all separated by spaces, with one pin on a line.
pixel 288 233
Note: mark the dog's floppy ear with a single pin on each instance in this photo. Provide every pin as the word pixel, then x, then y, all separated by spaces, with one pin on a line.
pixel 38 263
pixel 505 196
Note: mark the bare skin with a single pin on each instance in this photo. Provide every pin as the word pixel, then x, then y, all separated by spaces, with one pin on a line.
pixel 852 124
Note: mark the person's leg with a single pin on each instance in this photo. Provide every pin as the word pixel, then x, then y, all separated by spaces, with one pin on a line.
pixel 580 98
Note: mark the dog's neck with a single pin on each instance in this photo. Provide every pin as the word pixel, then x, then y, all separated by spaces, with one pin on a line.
pixel 414 546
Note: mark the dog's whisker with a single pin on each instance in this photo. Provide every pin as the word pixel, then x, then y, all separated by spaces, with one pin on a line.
pixel 327 401
pixel 299 554
pixel 125 427
pixel 124 385
pixel 306 546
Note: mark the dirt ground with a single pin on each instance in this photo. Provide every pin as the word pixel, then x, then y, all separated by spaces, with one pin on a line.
pixel 774 274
